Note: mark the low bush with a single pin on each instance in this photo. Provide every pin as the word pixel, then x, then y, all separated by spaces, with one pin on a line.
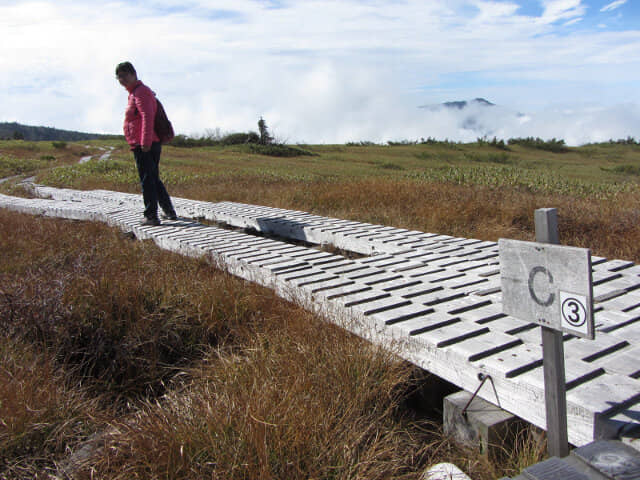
pixel 215 140
pixel 240 138
pixel 390 166
pixel 625 169
pixel 553 145
pixel 501 157
pixel 19 166
pixel 278 150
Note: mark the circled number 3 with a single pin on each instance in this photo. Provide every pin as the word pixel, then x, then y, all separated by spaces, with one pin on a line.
pixel 574 312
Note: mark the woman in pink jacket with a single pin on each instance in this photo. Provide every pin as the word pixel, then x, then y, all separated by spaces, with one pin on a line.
pixel 139 119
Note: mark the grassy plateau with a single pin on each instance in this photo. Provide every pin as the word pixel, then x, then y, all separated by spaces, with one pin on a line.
pixel 122 361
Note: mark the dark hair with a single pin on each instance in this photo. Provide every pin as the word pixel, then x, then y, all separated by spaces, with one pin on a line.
pixel 125 67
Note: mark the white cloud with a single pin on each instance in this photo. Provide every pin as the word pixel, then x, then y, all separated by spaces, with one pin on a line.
pixel 317 70
pixel 555 10
pixel 613 5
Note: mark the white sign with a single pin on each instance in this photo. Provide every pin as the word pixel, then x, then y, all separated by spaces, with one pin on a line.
pixel 548 284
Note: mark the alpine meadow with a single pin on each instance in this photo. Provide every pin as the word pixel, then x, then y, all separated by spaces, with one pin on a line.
pixel 120 360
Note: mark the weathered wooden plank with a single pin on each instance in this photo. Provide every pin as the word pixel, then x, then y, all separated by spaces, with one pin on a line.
pixel 426 323
pixel 607 320
pixel 437 297
pixel 401 314
pixel 606 394
pixel 576 373
pixel 514 362
pixel 379 278
pixel 482 346
pixel 389 303
pixel 316 287
pixel 590 351
pixel 506 324
pixel 315 279
pixel 630 332
pixel 624 362
pixel 451 334
pixel 628 301
pixel 367 272
pixel 465 304
pixel 398 284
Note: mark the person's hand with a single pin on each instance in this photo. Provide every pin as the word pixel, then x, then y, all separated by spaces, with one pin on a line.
pixel 145 148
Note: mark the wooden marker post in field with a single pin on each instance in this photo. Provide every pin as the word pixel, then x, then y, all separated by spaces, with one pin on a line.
pixel 550 285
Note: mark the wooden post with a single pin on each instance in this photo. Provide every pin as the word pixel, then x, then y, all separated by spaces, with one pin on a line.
pixel 546 222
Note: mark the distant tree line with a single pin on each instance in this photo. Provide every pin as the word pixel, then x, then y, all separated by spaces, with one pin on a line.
pixel 18 131
pixel 620 141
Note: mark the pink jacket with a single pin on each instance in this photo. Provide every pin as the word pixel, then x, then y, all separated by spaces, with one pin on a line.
pixel 140 115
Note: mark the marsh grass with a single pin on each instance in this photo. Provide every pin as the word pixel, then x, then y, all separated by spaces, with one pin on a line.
pixel 41 412
pixel 186 372
pixel 468 190
pixel 182 371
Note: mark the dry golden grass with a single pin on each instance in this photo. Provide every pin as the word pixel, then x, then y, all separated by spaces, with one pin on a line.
pixel 182 371
pixel 41 412
pixel 469 190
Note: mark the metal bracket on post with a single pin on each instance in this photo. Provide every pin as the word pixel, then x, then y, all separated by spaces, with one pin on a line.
pixel 483 378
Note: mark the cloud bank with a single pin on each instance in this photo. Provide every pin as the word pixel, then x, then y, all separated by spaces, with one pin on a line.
pixel 329 71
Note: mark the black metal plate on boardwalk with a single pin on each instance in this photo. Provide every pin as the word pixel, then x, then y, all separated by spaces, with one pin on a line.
pixel 553 469
pixel 613 459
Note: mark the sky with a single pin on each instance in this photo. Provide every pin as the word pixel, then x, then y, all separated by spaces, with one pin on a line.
pixel 330 71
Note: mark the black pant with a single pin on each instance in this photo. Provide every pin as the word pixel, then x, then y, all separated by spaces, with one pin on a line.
pixel 153 191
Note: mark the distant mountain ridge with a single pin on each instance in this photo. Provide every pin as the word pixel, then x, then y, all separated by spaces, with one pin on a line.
pixel 460 104
pixel 14 130
pixel 463 103
pixel 478 117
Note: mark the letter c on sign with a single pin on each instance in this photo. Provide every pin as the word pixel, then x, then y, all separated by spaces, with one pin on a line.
pixel 532 276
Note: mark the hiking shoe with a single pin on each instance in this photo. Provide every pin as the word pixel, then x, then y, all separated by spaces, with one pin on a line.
pixel 150 222
pixel 169 216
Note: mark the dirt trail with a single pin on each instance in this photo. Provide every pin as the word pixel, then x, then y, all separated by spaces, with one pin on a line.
pixel 105 156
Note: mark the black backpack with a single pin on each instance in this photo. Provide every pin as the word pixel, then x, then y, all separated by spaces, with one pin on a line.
pixel 162 125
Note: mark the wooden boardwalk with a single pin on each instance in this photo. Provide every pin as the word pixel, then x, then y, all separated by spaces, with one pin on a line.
pixel 434 299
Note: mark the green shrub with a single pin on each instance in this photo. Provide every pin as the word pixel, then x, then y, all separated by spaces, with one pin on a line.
pixel 59 145
pixel 553 145
pixel 240 138
pixel 190 142
pixel 432 141
pixel 18 166
pixel 625 169
pixel 501 157
pixel 390 166
pixel 276 150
